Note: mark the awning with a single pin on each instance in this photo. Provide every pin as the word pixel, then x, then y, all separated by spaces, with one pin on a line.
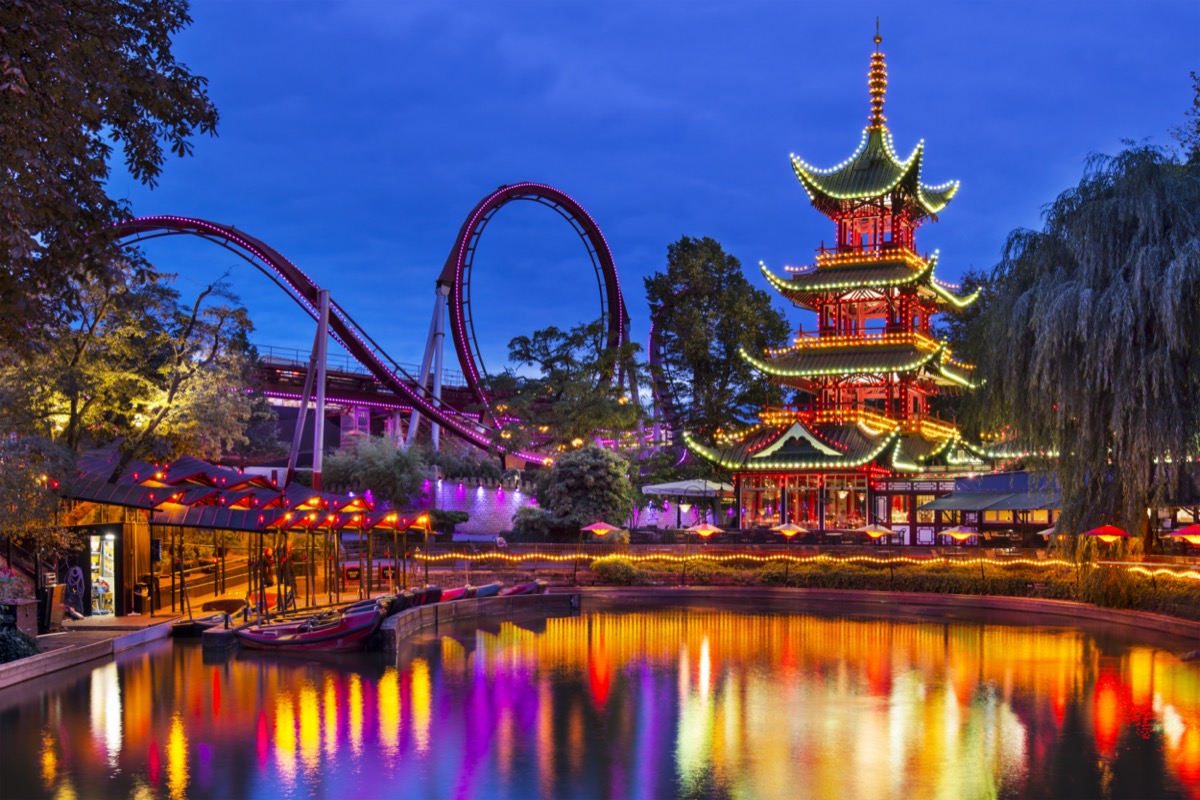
pixel 692 488
pixel 964 501
pixel 994 501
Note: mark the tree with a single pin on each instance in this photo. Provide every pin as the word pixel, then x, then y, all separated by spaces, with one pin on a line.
pixel 1188 134
pixel 1088 343
pixel 132 362
pixel 575 397
pixel 77 80
pixel 391 474
pixel 957 328
pixel 585 486
pixel 704 309
pixel 32 470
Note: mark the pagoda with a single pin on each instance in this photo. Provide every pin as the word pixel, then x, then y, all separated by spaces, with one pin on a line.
pixel 864 447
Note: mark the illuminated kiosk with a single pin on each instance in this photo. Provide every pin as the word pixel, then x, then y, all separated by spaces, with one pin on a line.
pixel 865 447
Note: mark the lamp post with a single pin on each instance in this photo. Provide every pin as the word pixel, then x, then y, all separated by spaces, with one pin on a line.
pixel 423 521
pixel 598 528
pixel 788 529
pixel 680 510
pixel 705 530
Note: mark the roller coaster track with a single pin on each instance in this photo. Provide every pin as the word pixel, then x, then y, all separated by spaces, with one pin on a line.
pixel 304 291
pixel 456 274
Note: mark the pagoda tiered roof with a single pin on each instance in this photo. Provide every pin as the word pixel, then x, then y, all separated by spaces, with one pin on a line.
pixel 862 354
pixel 786 440
pixel 874 171
pixel 842 274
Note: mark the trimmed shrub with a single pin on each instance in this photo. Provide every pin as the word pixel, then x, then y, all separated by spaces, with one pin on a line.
pixel 619 573
pixel 16 644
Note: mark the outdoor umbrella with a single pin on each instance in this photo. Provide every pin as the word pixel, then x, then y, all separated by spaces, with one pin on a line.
pixel 704 529
pixel 1107 533
pixel 960 533
pixel 789 529
pixel 874 530
pixel 1190 534
pixel 598 528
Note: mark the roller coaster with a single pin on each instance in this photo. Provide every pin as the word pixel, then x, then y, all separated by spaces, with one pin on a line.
pixel 421 392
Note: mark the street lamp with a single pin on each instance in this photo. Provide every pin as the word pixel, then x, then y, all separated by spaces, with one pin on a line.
pixel 423 521
pixel 598 528
pixel 705 530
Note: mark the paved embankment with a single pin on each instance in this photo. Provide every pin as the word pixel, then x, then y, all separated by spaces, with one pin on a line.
pixel 799 599
pixel 78 646
pixel 409 622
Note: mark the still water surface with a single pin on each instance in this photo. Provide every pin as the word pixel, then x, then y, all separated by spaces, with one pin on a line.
pixel 630 703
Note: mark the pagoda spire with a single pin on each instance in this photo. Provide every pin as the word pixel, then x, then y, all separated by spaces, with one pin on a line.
pixel 877 83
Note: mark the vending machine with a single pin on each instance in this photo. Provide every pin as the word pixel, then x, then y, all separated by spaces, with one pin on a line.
pixel 103 552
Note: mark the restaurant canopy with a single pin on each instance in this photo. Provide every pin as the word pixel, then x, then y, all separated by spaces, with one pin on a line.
pixel 194 494
pixel 994 501
pixel 692 488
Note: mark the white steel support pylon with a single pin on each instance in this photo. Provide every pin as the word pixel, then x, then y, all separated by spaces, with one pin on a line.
pixel 432 360
pixel 314 373
pixel 319 419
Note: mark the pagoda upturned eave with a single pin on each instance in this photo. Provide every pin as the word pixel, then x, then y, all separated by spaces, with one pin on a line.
pixel 872 172
pixel 808 444
pixel 877 274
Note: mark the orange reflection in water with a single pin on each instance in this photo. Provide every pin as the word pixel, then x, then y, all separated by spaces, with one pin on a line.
pixel 389 711
pixel 677 700
pixel 177 759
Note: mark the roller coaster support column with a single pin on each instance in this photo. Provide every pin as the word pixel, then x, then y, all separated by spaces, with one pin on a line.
pixel 319 422
pixel 433 353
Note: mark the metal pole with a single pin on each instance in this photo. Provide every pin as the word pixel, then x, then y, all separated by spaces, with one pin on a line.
pixel 405 545
pixel 319 420
pixel 171 556
pixel 431 343
pixel 426 553
pixel 298 433
pixel 439 339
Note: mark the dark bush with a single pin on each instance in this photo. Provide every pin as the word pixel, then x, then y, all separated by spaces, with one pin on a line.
pixel 16 644
pixel 619 573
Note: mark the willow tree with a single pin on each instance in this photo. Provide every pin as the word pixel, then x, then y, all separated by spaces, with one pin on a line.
pixel 1090 343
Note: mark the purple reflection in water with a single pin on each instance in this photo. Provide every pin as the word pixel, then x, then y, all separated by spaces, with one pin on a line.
pixel 630 704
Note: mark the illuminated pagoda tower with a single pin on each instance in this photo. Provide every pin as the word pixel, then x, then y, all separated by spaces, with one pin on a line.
pixel 865 448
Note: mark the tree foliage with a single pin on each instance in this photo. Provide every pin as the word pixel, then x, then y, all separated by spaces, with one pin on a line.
pixel 391 474
pixel 32 470
pixel 78 80
pixel 585 486
pixel 1089 341
pixel 704 309
pixel 132 361
pixel 1188 133
pixel 575 396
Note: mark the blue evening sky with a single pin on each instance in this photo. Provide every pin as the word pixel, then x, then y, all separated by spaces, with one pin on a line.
pixel 356 136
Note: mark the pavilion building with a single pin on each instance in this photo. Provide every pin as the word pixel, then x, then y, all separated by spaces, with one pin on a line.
pixel 863 445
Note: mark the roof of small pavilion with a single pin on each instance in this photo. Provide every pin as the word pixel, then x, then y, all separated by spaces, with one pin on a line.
pixel 191 493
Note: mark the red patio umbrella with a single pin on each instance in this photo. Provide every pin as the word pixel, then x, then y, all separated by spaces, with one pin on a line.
pixel 1107 533
pixel 1190 534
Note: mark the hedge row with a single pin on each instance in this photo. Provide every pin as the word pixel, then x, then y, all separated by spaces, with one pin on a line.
pixel 1106 587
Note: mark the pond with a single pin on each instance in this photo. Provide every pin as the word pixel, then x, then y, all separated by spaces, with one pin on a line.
pixel 631 702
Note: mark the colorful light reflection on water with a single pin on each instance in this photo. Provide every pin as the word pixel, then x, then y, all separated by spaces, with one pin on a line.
pixel 629 703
